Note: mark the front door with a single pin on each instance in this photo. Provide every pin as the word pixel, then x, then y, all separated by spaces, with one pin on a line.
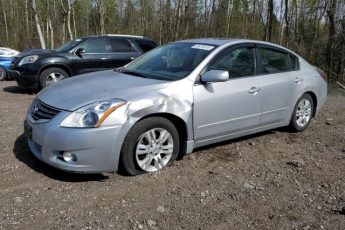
pixel 226 108
pixel 95 58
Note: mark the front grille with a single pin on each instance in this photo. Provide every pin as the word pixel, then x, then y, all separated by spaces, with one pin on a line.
pixel 41 111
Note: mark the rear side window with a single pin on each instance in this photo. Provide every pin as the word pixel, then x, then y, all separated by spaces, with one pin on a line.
pixel 120 45
pixel 146 45
pixel 294 62
pixel 98 45
pixel 239 62
pixel 274 61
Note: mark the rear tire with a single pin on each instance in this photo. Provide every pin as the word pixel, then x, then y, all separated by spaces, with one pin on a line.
pixel 302 114
pixel 140 155
pixel 52 75
pixel 3 74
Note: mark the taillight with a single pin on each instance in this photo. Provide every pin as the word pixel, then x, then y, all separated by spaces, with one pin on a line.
pixel 322 74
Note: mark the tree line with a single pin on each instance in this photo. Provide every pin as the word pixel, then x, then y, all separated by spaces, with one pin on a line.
pixel 313 28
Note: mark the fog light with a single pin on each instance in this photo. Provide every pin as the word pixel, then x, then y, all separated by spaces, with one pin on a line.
pixel 69 157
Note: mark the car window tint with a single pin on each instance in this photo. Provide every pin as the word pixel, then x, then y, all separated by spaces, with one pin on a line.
pixel 99 45
pixel 273 61
pixel 238 62
pixel 293 62
pixel 120 45
pixel 146 45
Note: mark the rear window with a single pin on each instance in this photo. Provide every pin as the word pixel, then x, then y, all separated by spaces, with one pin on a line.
pixel 146 45
pixel 119 45
pixel 97 46
pixel 294 62
pixel 275 61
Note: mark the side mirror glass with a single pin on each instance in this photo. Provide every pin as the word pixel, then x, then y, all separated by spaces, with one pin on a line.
pixel 215 76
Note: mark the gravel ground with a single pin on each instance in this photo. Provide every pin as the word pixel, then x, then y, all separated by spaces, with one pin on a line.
pixel 273 180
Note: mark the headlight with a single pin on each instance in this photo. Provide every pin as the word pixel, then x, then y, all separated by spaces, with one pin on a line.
pixel 28 59
pixel 92 116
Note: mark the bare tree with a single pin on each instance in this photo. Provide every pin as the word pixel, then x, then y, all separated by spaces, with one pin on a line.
pixel 178 18
pixel 38 25
pixel 270 15
pixel 101 12
pixel 5 19
pixel 67 13
pixel 331 33
pixel 229 16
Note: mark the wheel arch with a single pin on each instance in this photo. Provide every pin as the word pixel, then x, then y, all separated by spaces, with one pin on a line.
pixel 313 96
pixel 179 123
pixel 6 71
pixel 56 65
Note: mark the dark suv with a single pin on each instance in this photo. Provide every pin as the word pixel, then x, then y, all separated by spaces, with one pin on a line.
pixel 36 69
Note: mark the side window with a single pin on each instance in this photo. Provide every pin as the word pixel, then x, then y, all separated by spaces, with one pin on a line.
pixel 98 45
pixel 294 62
pixel 120 45
pixel 146 45
pixel 239 62
pixel 273 61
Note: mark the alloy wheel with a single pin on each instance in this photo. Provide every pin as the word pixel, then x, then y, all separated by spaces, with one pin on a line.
pixel 54 77
pixel 303 112
pixel 154 149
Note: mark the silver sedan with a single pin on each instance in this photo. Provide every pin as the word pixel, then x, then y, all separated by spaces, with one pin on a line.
pixel 174 99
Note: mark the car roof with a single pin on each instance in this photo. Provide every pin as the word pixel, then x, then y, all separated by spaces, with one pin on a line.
pixel 209 41
pixel 222 41
pixel 117 35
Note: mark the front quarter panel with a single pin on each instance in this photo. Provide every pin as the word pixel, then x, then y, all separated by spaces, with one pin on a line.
pixel 175 99
pixel 53 61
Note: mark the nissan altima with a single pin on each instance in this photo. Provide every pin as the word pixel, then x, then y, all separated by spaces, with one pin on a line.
pixel 177 97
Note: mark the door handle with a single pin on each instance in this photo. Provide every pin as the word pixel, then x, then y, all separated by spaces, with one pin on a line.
pixel 298 80
pixel 254 90
pixel 132 58
pixel 103 58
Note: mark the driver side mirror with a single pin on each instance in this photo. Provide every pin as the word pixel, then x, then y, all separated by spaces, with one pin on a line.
pixel 215 76
pixel 80 51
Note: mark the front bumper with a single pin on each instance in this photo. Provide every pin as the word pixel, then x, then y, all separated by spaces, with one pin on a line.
pixel 97 149
pixel 25 78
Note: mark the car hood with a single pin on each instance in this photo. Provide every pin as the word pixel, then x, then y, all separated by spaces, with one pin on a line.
pixel 40 52
pixel 76 92
pixel 6 59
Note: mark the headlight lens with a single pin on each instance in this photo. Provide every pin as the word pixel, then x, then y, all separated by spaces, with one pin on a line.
pixel 28 59
pixel 92 116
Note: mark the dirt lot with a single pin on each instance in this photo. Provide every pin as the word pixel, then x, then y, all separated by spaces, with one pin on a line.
pixel 274 180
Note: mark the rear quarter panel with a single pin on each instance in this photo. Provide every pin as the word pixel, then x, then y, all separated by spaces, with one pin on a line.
pixel 314 83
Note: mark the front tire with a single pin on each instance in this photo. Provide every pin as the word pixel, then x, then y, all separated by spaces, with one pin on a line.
pixel 52 75
pixel 150 145
pixel 3 74
pixel 302 114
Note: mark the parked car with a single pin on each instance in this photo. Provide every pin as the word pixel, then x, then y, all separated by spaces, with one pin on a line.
pixel 38 68
pixel 173 99
pixel 6 57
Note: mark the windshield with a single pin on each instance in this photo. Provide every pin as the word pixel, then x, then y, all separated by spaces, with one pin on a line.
pixel 69 45
pixel 170 62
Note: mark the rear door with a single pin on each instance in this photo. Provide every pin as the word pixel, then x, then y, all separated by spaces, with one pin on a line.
pixel 95 58
pixel 122 52
pixel 280 83
pixel 225 108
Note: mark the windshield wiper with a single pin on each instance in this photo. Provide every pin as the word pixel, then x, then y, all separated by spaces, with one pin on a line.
pixel 131 72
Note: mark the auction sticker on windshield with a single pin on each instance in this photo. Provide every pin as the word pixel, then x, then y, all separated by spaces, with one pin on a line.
pixel 202 47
